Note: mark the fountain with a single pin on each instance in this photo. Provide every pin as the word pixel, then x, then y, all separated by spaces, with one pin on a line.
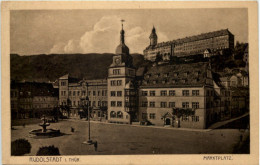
pixel 44 131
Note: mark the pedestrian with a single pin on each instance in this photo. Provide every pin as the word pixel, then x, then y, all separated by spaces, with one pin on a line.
pixel 96 145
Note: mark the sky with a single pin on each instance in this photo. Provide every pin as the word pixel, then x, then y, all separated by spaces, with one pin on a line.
pixel 35 32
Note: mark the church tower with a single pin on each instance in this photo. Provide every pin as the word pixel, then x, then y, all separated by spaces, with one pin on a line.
pixel 122 102
pixel 153 37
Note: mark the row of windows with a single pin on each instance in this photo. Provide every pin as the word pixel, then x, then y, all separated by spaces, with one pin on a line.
pixel 151 116
pixel 195 105
pixel 193 118
pixel 116 103
pixel 171 93
pixel 77 103
pixel 116 93
pixel 83 93
pixel 116 82
pixel 183 118
pixel 116 71
pixel 113 114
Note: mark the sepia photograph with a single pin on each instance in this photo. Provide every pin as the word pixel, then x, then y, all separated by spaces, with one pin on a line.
pixel 130 81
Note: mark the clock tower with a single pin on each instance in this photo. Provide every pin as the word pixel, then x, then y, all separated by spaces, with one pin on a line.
pixel 121 90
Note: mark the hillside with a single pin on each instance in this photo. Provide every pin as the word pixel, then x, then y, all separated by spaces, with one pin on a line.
pixel 50 67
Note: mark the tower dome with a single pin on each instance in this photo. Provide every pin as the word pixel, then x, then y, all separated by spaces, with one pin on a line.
pixel 122 48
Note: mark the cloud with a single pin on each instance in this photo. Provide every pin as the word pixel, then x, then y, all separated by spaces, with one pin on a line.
pixel 58 48
pixel 105 36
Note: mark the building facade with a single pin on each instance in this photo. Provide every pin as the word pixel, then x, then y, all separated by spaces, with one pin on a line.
pixel 122 106
pixel 31 99
pixel 72 91
pixel 216 42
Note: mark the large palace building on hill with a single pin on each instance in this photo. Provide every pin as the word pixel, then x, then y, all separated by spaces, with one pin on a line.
pixel 214 42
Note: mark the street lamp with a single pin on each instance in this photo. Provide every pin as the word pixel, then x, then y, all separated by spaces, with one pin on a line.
pixel 89 142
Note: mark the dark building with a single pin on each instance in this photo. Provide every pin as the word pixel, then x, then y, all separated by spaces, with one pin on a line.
pixel 31 99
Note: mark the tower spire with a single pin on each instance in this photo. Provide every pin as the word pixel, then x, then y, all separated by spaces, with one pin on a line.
pixel 122 36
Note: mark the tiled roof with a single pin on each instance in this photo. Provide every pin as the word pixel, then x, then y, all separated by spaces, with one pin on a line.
pixel 179 75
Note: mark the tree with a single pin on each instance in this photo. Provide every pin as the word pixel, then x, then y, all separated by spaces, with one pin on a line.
pixel 20 147
pixel 179 112
pixel 239 50
pixel 50 150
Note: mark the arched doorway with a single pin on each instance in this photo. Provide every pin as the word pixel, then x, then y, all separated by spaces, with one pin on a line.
pixel 167 121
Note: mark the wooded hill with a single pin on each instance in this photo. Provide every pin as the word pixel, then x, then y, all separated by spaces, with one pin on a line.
pixel 44 68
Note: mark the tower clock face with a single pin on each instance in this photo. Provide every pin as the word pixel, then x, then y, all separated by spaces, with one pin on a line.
pixel 117 60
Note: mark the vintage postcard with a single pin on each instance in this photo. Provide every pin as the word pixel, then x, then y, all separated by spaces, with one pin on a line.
pixel 130 82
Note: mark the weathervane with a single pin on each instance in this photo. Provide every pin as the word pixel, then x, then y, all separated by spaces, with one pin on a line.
pixel 122 20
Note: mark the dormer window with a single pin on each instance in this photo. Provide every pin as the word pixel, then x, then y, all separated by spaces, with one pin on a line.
pixel 197 73
pixel 166 75
pixel 186 74
pixel 164 81
pixel 148 76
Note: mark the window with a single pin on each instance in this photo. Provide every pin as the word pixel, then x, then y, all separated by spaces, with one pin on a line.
pixel 185 104
pixel 83 93
pixel 172 93
pixel 163 104
pixel 144 115
pixel 119 82
pixel 113 103
pixel 74 93
pixel 116 71
pixel 185 93
pixel 171 104
pixel 164 93
pixel 94 103
pixel 144 93
pixel 78 93
pixel 152 104
pixel 195 92
pixel 152 93
pixel 113 93
pixel 144 104
pixel 98 93
pixel 185 118
pixel 152 116
pixel 112 114
pixel 154 81
pixel 99 103
pixel 94 93
pixel 119 103
pixel 119 114
pixel 195 118
pixel 195 105
pixel 113 83
pixel 119 93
